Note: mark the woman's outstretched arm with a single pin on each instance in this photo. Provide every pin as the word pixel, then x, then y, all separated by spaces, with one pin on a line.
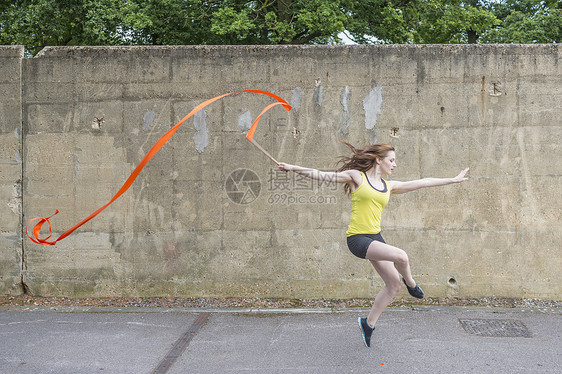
pixel 397 187
pixel 346 176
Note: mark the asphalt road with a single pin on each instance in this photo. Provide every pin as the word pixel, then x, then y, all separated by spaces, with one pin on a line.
pixel 148 340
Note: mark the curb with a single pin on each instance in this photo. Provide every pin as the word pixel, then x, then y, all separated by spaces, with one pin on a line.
pixel 414 308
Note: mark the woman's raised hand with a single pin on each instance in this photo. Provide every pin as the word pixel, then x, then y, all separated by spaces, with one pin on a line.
pixel 285 167
pixel 461 177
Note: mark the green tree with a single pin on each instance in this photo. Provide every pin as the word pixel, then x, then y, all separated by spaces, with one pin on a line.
pixel 419 21
pixel 38 23
pixel 454 21
pixel 173 22
pixel 279 21
pixel 233 21
pixel 526 21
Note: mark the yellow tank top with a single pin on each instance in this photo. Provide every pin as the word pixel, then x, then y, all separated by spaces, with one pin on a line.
pixel 367 204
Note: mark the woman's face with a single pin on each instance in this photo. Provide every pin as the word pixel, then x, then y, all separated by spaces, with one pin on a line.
pixel 388 163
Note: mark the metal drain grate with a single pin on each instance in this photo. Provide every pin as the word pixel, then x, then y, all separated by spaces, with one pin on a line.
pixel 496 327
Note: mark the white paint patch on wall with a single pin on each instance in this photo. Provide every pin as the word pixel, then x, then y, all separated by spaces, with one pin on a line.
pixel 372 104
pixel 318 95
pixel 245 121
pixel 201 137
pixel 15 201
pixel 345 116
pixel 147 120
pixel 296 99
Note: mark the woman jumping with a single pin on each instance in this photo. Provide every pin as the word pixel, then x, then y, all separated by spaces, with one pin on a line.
pixel 362 174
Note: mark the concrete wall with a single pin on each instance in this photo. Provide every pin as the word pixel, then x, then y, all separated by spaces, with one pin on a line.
pixel 91 114
pixel 10 170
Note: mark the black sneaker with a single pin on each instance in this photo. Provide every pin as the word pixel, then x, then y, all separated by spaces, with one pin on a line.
pixel 416 291
pixel 366 330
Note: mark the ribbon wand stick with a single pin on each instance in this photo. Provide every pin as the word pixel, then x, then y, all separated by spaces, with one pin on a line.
pixel 250 135
pixel 264 151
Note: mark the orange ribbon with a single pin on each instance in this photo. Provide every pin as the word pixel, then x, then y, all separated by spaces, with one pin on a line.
pixel 155 148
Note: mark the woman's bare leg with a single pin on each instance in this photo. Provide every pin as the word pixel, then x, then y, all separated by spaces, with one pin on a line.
pixel 390 262
pixel 392 286
pixel 379 251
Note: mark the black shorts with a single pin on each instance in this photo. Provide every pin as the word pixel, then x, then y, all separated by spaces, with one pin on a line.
pixel 358 244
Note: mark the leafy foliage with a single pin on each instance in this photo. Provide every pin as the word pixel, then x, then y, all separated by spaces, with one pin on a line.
pixel 38 23
pixel 419 21
pixel 526 21
pixel 278 22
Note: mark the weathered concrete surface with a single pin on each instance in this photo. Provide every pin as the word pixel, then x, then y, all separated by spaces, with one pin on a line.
pixel 91 114
pixel 10 170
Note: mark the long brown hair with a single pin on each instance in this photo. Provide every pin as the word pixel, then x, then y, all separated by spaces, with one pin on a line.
pixel 363 158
